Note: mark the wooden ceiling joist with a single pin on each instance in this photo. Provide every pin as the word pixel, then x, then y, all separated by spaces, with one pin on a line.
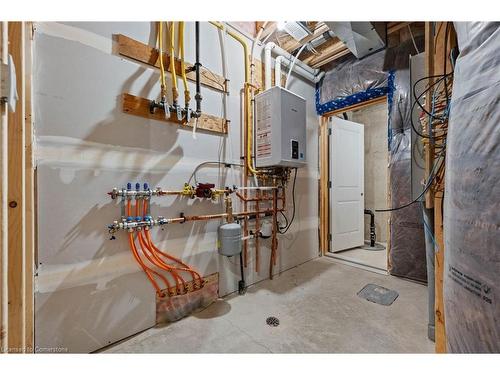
pixel 291 44
pixel 392 27
pixel 332 48
pixel 335 48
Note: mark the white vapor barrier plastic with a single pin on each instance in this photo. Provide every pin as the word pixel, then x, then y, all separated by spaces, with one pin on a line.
pixel 89 290
pixel 472 194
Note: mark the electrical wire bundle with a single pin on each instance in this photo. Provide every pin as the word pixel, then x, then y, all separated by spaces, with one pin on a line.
pixel 434 124
pixel 284 229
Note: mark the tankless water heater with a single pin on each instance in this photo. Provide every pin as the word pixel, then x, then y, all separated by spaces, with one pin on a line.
pixel 280 129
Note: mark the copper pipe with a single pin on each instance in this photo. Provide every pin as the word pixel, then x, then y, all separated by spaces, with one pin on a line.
pixel 275 209
pixel 171 192
pixel 274 243
pixel 245 183
pixel 202 217
pixel 256 199
pixel 182 192
pixel 217 216
pixel 245 233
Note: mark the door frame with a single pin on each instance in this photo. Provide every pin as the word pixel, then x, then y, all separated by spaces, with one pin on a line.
pixel 324 178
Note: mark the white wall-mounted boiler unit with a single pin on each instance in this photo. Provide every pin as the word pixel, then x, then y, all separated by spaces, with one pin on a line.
pixel 280 128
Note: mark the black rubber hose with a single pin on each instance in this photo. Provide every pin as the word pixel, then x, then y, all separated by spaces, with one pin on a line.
pixel 197 66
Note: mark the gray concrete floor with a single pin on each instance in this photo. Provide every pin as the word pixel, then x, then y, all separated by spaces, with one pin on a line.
pixel 370 258
pixel 318 310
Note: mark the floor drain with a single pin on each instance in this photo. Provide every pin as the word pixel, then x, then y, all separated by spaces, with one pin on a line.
pixel 273 321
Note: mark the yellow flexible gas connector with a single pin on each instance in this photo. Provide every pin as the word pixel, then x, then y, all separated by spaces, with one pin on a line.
pixel 162 66
pixel 187 95
pixel 175 92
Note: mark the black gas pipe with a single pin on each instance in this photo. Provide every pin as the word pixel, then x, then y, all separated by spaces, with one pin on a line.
pixel 197 66
pixel 373 235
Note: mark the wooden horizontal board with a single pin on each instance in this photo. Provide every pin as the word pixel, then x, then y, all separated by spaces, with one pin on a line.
pixel 330 48
pixel 356 106
pixel 146 54
pixel 138 106
pixel 392 27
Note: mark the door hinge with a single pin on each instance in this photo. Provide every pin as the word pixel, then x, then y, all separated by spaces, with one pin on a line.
pixel 8 89
pixel 329 184
pixel 330 131
pixel 4 74
pixel 329 237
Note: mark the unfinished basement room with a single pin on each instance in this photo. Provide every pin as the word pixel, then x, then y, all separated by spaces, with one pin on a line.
pixel 209 184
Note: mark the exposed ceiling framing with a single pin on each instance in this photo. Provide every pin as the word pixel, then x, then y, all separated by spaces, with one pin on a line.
pixel 327 52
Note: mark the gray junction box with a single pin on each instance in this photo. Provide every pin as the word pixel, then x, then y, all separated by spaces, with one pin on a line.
pixel 280 129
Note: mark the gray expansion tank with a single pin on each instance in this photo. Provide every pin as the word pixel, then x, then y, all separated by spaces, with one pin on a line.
pixel 230 239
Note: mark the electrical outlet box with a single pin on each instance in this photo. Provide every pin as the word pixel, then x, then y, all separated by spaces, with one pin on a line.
pixel 280 129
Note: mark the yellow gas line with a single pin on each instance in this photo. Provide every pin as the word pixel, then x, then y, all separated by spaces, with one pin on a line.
pixel 187 95
pixel 175 92
pixel 247 94
pixel 162 67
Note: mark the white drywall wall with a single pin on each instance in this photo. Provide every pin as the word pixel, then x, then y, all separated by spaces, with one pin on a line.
pixel 89 290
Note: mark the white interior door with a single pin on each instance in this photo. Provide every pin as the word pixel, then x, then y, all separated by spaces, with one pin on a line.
pixel 347 184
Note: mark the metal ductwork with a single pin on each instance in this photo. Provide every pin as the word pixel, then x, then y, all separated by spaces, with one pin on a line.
pixel 361 38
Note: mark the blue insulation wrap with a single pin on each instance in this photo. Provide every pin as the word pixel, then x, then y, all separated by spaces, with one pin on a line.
pixel 472 194
pixel 347 101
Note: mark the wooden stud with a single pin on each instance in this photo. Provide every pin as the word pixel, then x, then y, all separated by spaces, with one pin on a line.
pixel 146 54
pixel 389 218
pixel 138 106
pixel 29 212
pixel 3 207
pixel 429 71
pixel 440 328
pixel 438 64
pixel 323 184
pixel 16 200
